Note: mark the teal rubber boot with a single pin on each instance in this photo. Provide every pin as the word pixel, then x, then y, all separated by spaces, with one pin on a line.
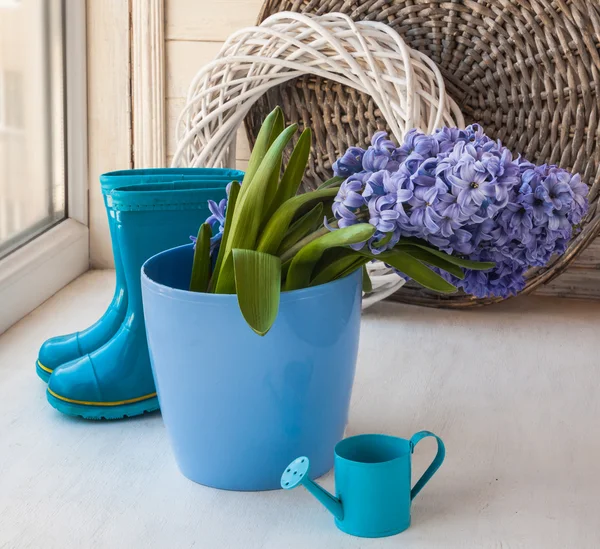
pixel 116 380
pixel 61 349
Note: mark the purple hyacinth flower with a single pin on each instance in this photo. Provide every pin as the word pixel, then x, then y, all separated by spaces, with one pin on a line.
pixel 423 215
pixel 451 218
pixel 449 161
pixel 217 211
pixel 532 175
pixel 375 160
pixel 557 185
pixel 483 232
pixel 517 219
pixel 381 214
pixel 380 141
pixel 579 191
pixel 417 142
pixel 374 185
pixel 472 186
pixel 349 193
pixel 216 217
pixel 397 187
pixel 375 241
pixel 448 137
pixel 559 222
pixel 425 174
pixel 350 163
pixel 477 137
pixel 464 193
pixel 344 216
pixel 536 201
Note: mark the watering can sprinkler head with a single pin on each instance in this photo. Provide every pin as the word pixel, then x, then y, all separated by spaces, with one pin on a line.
pixel 297 473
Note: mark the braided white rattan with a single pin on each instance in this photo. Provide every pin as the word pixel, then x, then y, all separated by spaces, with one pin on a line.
pixel 368 56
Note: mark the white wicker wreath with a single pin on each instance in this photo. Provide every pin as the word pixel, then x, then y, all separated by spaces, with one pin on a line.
pixel 406 86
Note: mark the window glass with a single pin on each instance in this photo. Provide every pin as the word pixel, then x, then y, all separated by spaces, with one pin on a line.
pixel 32 175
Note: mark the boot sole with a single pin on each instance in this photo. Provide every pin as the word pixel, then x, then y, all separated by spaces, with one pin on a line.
pixel 106 411
pixel 42 372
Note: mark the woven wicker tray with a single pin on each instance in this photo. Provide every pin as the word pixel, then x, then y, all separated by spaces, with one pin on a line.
pixel 529 72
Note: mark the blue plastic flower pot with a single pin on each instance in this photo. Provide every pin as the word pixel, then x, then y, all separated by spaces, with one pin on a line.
pixel 239 407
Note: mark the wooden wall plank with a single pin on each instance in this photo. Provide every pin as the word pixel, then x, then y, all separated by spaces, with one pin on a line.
pixel 590 257
pixel 211 20
pixel 109 113
pixel 239 164
pixel 575 283
pixel 184 60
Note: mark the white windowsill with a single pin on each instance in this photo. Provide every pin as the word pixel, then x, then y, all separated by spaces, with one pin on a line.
pixel 512 390
pixel 33 273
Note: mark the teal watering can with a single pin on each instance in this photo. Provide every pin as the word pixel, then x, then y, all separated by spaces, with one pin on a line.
pixel 372 481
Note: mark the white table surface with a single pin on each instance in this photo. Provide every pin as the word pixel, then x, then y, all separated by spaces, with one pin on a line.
pixel 513 390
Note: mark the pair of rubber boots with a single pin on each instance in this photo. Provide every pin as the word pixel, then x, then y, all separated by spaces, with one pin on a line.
pixel 103 372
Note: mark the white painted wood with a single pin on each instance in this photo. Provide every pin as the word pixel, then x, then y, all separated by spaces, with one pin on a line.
pixel 183 60
pixel 109 112
pixel 210 20
pixel 241 165
pixel 511 389
pixel 148 83
pixel 76 107
pixel 31 274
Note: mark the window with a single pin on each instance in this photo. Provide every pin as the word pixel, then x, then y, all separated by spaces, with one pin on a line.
pixel 43 209
pixel 32 176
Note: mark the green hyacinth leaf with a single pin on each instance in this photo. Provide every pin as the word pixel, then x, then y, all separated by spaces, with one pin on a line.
pixel 234 192
pixel 294 172
pixel 258 287
pixel 413 268
pixel 273 181
pixel 330 183
pixel 299 229
pixel 247 216
pixel 264 140
pixel 435 261
pixel 278 225
pixel 303 263
pixel 384 241
pixel 460 262
pixel 336 263
pixel 367 285
pixel 353 268
pixel 201 265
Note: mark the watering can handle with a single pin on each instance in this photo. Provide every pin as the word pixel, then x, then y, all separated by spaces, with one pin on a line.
pixel 435 464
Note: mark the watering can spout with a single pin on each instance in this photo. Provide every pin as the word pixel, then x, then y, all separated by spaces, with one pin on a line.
pixel 297 473
pixel 333 504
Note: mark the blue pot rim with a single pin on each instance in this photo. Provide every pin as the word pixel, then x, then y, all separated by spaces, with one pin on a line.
pixel 181 194
pixel 120 178
pixel 226 299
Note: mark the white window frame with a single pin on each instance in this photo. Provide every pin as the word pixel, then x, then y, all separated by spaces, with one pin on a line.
pixel 37 270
